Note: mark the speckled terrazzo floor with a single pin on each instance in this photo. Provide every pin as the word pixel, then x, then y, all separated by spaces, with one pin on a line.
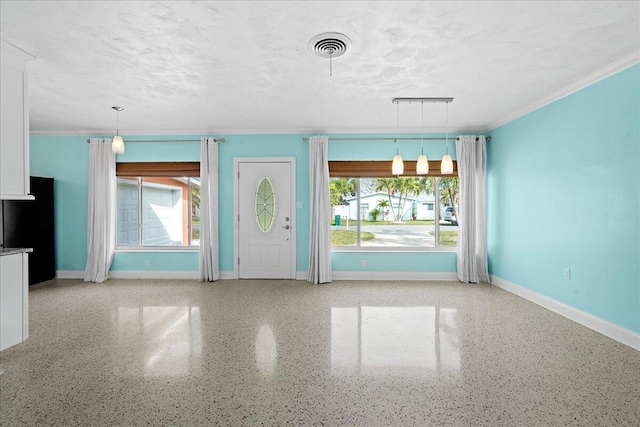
pixel 289 353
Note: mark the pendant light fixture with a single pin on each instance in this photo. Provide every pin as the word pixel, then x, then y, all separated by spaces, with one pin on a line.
pixel 117 145
pixel 446 166
pixel 397 167
pixel 422 166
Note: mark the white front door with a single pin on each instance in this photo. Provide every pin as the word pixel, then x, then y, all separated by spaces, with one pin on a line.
pixel 265 219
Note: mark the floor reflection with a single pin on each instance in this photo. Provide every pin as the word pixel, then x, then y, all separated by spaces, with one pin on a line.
pixel 367 338
pixel 157 341
pixel 266 350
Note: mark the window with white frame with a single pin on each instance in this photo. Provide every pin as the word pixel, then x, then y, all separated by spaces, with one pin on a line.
pixel 155 210
pixel 408 212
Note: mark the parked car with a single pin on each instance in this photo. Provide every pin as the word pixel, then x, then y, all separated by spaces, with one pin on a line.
pixel 449 215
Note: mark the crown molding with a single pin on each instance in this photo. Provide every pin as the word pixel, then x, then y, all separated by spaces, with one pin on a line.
pixel 601 74
pixel 233 131
pixel 110 133
pixel 16 51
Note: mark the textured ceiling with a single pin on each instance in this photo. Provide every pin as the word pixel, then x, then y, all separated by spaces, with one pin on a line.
pixel 245 66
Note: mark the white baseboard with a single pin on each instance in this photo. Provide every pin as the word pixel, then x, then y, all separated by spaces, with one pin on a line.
pixel 153 274
pixel 300 275
pixel 391 275
pixel 611 330
pixel 142 274
pixel 226 275
pixel 69 274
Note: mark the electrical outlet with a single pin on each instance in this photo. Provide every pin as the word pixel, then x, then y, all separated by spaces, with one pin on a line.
pixel 567 274
pixel 146 263
pixel 363 263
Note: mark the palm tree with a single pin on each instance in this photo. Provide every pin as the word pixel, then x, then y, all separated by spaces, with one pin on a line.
pixel 195 199
pixel 383 206
pixel 427 185
pixel 414 186
pixel 339 188
pixel 403 187
pixel 388 185
pixel 450 191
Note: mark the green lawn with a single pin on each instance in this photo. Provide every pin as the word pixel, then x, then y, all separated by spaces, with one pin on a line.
pixel 195 224
pixel 348 237
pixel 447 238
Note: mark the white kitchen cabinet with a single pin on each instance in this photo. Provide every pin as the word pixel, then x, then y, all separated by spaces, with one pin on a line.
pixel 14 119
pixel 14 299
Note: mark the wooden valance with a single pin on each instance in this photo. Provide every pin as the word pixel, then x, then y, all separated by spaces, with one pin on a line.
pixel 170 169
pixel 381 169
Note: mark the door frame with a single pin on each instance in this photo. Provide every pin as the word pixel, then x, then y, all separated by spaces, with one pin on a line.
pixel 236 201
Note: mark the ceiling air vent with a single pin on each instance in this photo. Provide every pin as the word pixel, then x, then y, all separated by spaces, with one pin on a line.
pixel 330 45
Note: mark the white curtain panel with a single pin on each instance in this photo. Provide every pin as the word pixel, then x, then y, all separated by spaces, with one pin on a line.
pixel 320 211
pixel 472 241
pixel 209 260
pixel 101 231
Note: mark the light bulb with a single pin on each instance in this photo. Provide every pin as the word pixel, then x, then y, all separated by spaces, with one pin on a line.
pixel 422 166
pixel 446 167
pixel 117 145
pixel 397 167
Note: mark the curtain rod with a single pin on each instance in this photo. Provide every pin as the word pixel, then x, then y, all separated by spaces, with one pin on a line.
pixel 305 139
pixel 168 140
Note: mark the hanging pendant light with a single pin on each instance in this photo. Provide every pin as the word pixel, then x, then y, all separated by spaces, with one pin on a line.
pixel 422 166
pixel 117 145
pixel 397 167
pixel 446 166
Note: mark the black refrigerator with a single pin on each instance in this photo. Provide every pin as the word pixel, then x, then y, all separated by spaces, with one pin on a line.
pixel 29 224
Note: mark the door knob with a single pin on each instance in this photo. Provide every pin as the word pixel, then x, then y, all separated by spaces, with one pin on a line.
pixel 286 227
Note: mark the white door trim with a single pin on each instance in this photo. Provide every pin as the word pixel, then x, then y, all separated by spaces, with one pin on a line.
pixel 236 234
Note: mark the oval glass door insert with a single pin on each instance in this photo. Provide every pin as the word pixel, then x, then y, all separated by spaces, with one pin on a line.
pixel 265 205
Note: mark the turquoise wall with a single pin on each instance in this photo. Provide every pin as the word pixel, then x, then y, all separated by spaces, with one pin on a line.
pixel 394 261
pixel 66 158
pixel 385 150
pixel 564 192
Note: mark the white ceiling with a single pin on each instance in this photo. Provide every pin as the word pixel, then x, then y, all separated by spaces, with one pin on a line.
pixel 196 66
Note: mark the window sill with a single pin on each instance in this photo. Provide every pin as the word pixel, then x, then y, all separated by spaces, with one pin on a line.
pixel 384 249
pixel 158 249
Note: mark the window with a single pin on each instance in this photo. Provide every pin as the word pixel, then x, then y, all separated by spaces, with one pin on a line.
pixel 156 207
pixel 265 205
pixel 405 213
